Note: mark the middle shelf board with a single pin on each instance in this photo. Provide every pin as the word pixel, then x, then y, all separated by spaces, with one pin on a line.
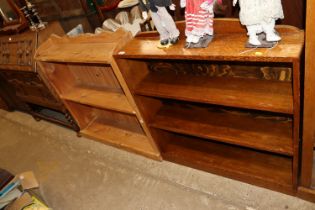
pixel 118 137
pixel 99 98
pixel 245 129
pixel 256 94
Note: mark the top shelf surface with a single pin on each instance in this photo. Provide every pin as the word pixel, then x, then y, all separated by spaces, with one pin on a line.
pixel 86 48
pixel 228 45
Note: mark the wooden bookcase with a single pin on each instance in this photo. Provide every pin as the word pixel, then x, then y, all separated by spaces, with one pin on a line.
pixel 223 109
pixel 84 74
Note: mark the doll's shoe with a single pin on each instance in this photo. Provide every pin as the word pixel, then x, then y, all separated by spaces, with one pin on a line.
pixel 164 42
pixel 195 39
pixel 174 40
pixel 253 40
pixel 272 37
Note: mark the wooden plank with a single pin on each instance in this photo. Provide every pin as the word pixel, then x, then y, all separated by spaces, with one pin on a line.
pixel 120 138
pixel 85 48
pixel 99 98
pixel 258 132
pixel 242 93
pixel 297 122
pixel 262 169
pixel 309 98
pixel 228 44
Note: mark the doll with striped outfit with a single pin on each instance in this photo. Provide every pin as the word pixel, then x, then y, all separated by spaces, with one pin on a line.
pixel 199 22
pixel 260 16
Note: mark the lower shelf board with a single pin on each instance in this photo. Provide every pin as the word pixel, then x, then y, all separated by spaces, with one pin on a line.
pixel 262 169
pixel 245 129
pixel 117 137
pixel 99 98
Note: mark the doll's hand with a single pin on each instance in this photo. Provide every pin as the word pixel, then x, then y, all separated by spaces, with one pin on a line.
pixel 234 2
pixel 145 15
pixel 172 7
pixel 182 3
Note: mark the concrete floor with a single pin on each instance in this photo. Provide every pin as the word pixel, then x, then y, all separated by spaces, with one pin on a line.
pixel 77 173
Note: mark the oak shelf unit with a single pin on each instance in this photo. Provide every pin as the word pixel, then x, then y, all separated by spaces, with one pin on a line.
pixel 85 76
pixel 223 109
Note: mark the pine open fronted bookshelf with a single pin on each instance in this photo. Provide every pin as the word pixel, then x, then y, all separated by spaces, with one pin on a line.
pixel 224 109
pixel 85 76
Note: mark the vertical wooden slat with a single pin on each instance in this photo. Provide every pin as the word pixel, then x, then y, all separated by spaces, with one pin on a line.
pixel 296 121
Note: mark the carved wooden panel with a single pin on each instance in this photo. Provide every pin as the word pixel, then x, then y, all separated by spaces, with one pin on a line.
pixel 275 73
pixel 17 52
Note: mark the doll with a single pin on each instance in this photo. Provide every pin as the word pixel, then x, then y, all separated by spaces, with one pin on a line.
pixel 199 22
pixel 260 16
pixel 163 21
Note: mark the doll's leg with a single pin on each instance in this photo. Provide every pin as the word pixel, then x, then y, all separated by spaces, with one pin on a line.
pixel 168 23
pixel 269 29
pixel 252 33
pixel 164 35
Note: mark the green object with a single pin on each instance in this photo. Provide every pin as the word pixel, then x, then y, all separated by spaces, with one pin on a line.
pixel 91 5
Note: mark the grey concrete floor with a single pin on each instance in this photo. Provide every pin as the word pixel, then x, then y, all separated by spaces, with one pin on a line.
pixel 78 173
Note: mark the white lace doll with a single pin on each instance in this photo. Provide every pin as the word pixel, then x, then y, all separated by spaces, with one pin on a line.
pixel 260 16
pixel 199 22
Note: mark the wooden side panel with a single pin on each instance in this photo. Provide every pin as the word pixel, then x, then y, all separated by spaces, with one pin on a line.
pixel 309 98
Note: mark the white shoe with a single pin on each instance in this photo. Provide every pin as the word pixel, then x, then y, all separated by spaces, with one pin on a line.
pixel 195 39
pixel 272 37
pixel 252 33
pixel 253 40
pixel 269 29
pixel 192 39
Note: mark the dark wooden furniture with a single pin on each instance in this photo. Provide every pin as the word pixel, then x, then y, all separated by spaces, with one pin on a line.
pixel 13 20
pixel 222 109
pixel 307 180
pixel 19 70
pixel 85 76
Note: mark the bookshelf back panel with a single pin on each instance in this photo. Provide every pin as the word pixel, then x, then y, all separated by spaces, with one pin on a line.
pixel 66 76
pixel 95 76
